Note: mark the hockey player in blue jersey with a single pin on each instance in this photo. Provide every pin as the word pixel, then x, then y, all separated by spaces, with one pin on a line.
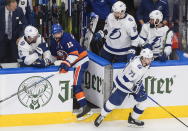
pixel 120 33
pixel 102 8
pixel 69 53
pixel 127 82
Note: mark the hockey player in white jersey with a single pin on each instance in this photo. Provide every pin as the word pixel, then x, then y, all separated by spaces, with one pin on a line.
pixel 26 5
pixel 121 35
pixel 33 50
pixel 156 37
pixel 27 8
pixel 127 82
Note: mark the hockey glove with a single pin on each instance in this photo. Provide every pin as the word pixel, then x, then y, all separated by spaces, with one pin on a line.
pixel 99 35
pixel 131 54
pixel 92 15
pixel 41 63
pixel 58 62
pixel 43 46
pixel 64 67
pixel 41 49
pixel 162 57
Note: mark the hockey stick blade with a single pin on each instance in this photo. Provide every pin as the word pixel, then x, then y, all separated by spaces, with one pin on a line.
pixel 27 88
pixel 167 111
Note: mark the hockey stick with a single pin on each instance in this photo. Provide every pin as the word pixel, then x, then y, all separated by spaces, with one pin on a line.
pixel 163 108
pixel 27 88
pixel 167 111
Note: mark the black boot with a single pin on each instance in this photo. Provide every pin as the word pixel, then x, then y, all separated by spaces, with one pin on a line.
pixel 98 120
pixel 136 122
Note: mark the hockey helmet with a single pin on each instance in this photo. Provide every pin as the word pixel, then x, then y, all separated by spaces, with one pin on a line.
pixel 156 15
pixel 146 53
pixel 119 7
pixel 31 31
pixel 56 28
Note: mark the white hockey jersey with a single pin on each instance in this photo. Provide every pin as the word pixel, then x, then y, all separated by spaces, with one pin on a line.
pixel 24 3
pixel 122 34
pixel 27 52
pixel 159 39
pixel 131 76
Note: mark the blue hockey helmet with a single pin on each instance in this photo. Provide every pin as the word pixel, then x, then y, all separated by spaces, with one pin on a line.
pixel 56 28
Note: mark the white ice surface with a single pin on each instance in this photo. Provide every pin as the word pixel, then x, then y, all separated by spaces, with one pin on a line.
pixel 150 125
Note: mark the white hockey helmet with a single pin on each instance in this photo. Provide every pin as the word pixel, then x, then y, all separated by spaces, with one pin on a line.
pixel 31 31
pixel 146 53
pixel 156 15
pixel 119 7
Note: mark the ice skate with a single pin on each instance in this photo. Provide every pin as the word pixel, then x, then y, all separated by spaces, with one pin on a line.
pixel 85 113
pixel 98 120
pixel 134 122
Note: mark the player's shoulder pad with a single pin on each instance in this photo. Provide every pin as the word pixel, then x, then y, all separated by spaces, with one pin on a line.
pixel 110 16
pixel 146 27
pixel 130 18
pixel 130 22
pixel 21 42
pixel 67 37
pixel 165 27
pixel 136 64
pixel 66 34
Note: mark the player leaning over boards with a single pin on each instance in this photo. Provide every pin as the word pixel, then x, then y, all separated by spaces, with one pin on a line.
pixel 32 49
pixel 69 53
pixel 157 37
pixel 121 35
pixel 127 82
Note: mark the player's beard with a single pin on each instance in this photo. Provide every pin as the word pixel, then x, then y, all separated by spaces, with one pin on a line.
pixel 57 39
pixel 152 25
pixel 117 18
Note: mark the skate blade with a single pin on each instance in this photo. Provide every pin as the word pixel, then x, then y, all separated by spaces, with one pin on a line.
pixel 85 116
pixel 134 126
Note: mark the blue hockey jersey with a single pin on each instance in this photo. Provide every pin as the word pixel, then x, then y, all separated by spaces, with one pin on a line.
pixel 69 49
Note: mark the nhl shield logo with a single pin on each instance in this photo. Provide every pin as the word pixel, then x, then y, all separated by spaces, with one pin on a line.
pixel 36 96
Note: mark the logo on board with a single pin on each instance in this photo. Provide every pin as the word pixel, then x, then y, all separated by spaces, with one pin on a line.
pixel 34 96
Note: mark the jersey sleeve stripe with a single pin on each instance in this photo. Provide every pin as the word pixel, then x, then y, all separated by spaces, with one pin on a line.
pixel 81 57
pixel 116 50
pixel 143 38
pixel 121 85
pixel 77 72
pixel 126 79
pixel 74 53
pixel 134 37
pixel 168 45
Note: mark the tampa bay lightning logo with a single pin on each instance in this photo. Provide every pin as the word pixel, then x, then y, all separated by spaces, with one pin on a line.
pixel 62 54
pixel 115 34
pixel 157 42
